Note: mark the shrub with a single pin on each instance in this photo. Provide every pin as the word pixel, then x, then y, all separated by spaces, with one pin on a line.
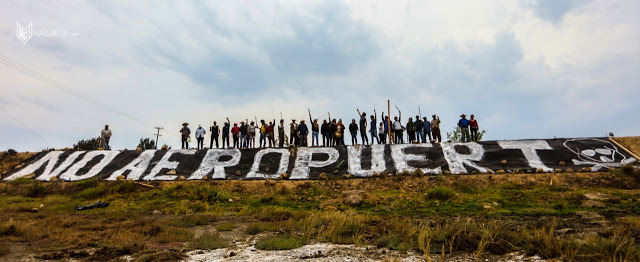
pixel 280 242
pixel 210 241
pixel 440 193
pixel 258 228
pixel 37 189
pixel 225 227
pixel 192 221
pixel 147 143
pixel 88 144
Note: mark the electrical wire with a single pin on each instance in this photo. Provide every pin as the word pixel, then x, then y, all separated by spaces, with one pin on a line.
pixel 25 127
pixel 26 70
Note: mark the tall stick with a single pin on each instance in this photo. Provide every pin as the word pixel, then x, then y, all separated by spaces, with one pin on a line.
pixel 389 119
pixel 419 113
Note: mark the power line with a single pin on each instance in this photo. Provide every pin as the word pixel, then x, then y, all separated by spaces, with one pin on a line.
pixel 25 127
pixel 26 70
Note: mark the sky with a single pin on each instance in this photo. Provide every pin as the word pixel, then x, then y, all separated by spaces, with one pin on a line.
pixel 526 69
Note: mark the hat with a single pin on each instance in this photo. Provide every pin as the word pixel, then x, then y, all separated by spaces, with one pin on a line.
pixel 185 124
pixel 235 124
pixel 293 119
pixel 241 122
pixel 463 115
pixel 302 120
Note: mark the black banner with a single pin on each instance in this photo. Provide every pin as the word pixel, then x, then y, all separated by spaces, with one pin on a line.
pixel 309 162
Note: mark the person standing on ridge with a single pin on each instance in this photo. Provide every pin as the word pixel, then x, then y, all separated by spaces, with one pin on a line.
pixel 426 129
pixel 244 141
pixel 398 129
pixel 185 132
pixel 385 123
pixel 383 137
pixel 339 135
pixel 353 129
pixel 215 133
pixel 235 131
pixel 271 134
pixel 315 130
pixel 325 131
pixel 419 131
pixel 263 133
pixel 293 133
pixel 463 123
pixel 281 133
pixel 251 135
pixel 363 127
pixel 473 123
pixel 333 127
pixel 200 132
pixel 411 130
pixel 435 128
pixel 225 132
pixel 373 128
pixel 105 136
pixel 303 131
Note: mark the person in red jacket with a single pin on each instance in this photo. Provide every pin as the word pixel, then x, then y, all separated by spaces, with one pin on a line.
pixel 235 131
pixel 473 124
pixel 271 133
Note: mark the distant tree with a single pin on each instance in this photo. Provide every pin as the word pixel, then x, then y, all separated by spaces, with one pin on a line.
pixel 147 143
pixel 87 144
pixel 456 135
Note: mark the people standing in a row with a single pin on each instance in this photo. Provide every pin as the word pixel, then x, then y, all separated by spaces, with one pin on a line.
pixel 419 131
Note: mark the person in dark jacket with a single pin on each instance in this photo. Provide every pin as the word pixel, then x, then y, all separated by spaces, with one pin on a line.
pixel 463 123
pixel 363 127
pixel 215 133
pixel 411 130
pixel 353 128
pixel 325 131
pixel 226 129
pixel 271 133
pixel 185 132
pixel 419 132
pixel 373 127
pixel 303 131
pixel 426 129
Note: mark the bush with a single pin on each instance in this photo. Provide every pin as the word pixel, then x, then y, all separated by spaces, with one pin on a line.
pixel 88 144
pixel 147 143
pixel 192 221
pixel 225 227
pixel 210 241
pixel 280 242
pixel 37 189
pixel 440 193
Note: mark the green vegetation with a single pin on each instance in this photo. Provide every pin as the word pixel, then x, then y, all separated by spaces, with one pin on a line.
pixel 280 242
pixel 225 227
pixel 210 241
pixel 443 215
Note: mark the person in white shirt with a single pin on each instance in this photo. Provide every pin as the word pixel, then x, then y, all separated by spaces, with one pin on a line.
pixel 200 136
pixel 105 135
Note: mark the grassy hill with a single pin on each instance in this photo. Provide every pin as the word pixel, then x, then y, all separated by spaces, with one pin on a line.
pixel 574 216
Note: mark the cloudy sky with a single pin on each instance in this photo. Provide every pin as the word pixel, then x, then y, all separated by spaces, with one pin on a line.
pixel 526 69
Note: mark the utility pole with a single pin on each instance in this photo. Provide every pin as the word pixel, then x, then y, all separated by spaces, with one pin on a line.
pixel 158 135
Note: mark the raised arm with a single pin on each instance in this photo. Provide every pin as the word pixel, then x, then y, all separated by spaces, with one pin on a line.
pixel 359 112
pixel 228 121
pixel 375 115
pixel 310 120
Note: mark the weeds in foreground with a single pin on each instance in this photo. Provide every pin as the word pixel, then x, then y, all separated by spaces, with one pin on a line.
pixel 225 227
pixel 210 241
pixel 280 242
